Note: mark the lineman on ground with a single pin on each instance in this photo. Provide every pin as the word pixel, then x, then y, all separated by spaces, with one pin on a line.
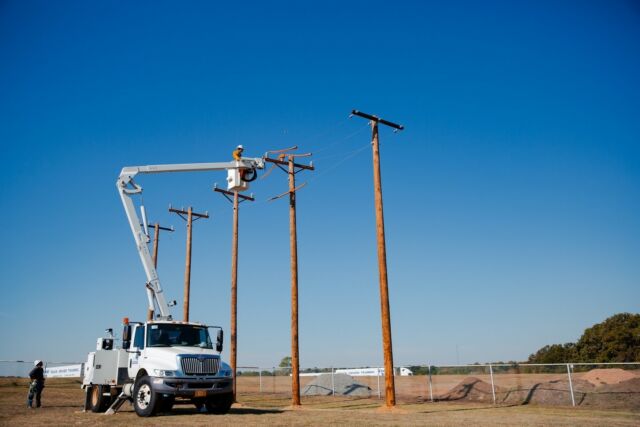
pixel 37 384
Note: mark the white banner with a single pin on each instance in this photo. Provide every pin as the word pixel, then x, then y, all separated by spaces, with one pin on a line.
pixel 63 371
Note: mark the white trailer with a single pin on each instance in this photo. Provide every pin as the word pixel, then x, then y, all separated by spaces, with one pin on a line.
pixel 372 372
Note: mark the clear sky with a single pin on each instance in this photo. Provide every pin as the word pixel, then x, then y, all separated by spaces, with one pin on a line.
pixel 511 199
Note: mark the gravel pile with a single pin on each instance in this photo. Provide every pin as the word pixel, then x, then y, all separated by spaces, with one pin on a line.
pixel 344 385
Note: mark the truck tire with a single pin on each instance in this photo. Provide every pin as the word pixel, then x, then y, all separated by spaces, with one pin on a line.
pixel 97 401
pixel 219 404
pixel 145 400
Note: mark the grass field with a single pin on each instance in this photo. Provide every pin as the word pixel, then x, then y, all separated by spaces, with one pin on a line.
pixel 62 405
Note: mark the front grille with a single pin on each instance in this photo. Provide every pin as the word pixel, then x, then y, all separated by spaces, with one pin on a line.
pixel 200 366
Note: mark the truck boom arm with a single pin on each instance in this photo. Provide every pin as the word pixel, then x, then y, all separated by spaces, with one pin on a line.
pixel 127 187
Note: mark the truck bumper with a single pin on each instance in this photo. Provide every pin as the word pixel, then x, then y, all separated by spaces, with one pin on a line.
pixel 192 387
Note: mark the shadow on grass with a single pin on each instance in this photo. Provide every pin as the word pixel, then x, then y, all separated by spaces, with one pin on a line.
pixel 232 411
pixel 47 406
pixel 254 411
pixel 475 408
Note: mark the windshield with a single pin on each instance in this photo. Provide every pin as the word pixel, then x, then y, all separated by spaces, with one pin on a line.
pixel 171 335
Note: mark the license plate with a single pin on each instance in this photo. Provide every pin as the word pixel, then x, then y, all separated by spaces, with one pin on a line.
pixel 201 393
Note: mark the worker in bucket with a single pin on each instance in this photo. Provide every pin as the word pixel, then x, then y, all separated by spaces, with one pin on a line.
pixel 37 384
pixel 237 156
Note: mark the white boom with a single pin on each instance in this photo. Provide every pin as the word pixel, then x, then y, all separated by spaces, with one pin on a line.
pixel 127 187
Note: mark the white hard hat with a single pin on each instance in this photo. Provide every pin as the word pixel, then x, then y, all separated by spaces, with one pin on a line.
pixel 37 362
pixel 240 147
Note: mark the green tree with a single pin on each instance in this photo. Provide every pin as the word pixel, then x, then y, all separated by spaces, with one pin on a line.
pixel 617 339
pixel 285 362
pixel 555 353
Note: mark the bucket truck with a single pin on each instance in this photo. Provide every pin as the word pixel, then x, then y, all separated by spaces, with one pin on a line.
pixel 162 362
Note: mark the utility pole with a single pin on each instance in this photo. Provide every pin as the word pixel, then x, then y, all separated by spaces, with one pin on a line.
pixel 156 239
pixel 190 215
pixel 237 199
pixel 292 169
pixel 390 388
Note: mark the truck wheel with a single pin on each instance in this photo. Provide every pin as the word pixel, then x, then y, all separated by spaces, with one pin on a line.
pixel 219 404
pixel 145 400
pixel 98 402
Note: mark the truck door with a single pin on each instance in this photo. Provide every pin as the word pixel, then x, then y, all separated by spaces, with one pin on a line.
pixel 136 349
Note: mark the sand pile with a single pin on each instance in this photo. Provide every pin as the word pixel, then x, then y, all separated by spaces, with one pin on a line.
pixel 344 385
pixel 608 376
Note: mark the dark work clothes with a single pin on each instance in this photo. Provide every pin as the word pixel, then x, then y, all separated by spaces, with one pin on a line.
pixel 37 374
pixel 37 384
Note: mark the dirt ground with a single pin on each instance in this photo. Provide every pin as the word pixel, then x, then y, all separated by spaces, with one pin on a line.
pixel 62 405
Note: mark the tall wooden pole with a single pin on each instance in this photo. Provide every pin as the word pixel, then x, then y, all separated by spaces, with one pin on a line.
pixel 390 388
pixel 237 199
pixel 190 214
pixel 156 239
pixel 187 268
pixel 293 245
pixel 390 391
pixel 234 291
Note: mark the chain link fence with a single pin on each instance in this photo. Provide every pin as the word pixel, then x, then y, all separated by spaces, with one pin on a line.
pixel 603 385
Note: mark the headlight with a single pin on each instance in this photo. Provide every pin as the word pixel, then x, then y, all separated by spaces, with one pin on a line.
pixel 164 373
pixel 225 373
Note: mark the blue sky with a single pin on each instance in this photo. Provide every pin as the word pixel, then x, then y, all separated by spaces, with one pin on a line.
pixel 511 199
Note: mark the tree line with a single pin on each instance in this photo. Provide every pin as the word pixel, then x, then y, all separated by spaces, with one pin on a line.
pixel 617 339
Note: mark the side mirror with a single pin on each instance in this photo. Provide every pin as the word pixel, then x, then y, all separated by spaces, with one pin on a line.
pixel 126 337
pixel 219 341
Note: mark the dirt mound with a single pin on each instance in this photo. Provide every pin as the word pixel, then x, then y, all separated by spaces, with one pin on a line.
pixel 551 393
pixel 470 389
pixel 344 385
pixel 622 395
pixel 628 386
pixel 608 376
